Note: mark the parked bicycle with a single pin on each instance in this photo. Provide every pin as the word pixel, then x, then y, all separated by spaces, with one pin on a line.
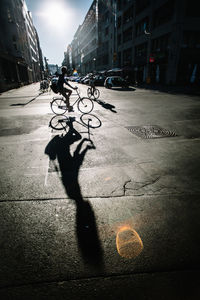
pixel 44 86
pixel 84 104
pixel 93 93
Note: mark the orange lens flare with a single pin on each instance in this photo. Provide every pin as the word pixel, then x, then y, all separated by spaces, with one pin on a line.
pixel 128 242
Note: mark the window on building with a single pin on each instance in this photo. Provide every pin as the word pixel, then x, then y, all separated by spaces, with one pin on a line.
pixel 106 31
pixel 141 50
pixel 127 35
pixel 141 26
pixel 14 42
pixel 119 22
pixel 127 56
pixel 105 59
pixel 192 8
pixel 160 44
pixel 163 14
pixel 119 4
pixel 191 39
pixel 141 5
pixel 128 15
pixel 106 17
pixel 119 59
pixel 119 39
pixel 100 40
pixel 94 41
pixel 9 15
pixel 125 2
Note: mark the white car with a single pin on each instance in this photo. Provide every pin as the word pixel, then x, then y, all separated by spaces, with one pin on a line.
pixel 115 81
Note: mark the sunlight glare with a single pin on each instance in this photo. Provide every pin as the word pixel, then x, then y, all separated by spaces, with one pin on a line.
pixel 128 242
pixel 56 15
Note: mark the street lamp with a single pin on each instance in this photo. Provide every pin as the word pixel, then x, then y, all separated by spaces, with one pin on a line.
pixel 94 59
pixel 148 34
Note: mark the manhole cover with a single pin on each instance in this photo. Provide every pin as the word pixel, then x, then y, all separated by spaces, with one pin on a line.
pixel 150 131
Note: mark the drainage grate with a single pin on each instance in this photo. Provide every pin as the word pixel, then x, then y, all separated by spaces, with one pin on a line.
pixel 150 131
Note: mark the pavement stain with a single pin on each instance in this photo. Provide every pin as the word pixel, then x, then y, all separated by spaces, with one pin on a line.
pixel 19 125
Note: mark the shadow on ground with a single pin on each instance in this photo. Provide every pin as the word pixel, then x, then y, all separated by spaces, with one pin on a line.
pixel 172 89
pixel 69 166
pixel 24 104
pixel 123 89
pixel 106 105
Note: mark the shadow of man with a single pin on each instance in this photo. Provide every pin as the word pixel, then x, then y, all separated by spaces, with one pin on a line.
pixel 69 165
pixel 106 105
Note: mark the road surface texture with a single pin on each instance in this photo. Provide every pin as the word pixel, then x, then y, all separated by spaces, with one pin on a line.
pixel 109 214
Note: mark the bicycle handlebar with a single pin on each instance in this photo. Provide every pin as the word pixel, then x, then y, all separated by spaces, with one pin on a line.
pixel 77 91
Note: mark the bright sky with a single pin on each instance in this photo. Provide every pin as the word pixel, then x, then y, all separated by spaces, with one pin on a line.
pixel 56 22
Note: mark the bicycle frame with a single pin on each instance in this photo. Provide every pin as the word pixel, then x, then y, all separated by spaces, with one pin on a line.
pixel 79 97
pixel 73 119
pixel 84 104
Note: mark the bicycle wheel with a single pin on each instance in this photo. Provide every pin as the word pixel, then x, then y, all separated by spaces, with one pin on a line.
pixel 58 106
pixel 90 120
pixel 96 94
pixel 89 92
pixel 85 105
pixel 59 123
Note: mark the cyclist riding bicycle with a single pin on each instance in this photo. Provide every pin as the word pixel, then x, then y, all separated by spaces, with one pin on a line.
pixel 66 93
pixel 92 84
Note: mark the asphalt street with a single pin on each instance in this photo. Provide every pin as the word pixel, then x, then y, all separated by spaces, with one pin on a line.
pixel 112 214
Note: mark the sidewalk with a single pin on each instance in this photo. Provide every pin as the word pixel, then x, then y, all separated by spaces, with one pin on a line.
pixel 188 90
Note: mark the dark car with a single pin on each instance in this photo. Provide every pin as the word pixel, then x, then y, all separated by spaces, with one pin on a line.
pixel 115 81
pixel 85 79
pixel 99 80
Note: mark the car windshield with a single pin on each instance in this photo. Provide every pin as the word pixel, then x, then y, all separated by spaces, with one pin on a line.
pixel 117 80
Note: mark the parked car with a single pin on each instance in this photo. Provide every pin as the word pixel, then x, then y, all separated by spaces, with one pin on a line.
pixel 115 81
pixel 73 78
pixel 99 80
pixel 79 79
pixel 86 80
pixel 83 78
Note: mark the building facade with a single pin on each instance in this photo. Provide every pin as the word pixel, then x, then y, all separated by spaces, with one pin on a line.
pixel 68 60
pixel 20 53
pixel 53 69
pixel 153 41
pixel 166 41
pixel 87 39
pixel 33 48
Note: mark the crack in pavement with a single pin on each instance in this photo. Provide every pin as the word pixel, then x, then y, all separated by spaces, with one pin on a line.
pixel 139 185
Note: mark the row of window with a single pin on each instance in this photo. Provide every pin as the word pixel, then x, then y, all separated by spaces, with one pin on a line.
pixel 127 36
pixel 191 39
pixel 122 3
pixel 159 45
pixel 125 56
pixel 162 15
pixel 126 17
pixel 140 52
